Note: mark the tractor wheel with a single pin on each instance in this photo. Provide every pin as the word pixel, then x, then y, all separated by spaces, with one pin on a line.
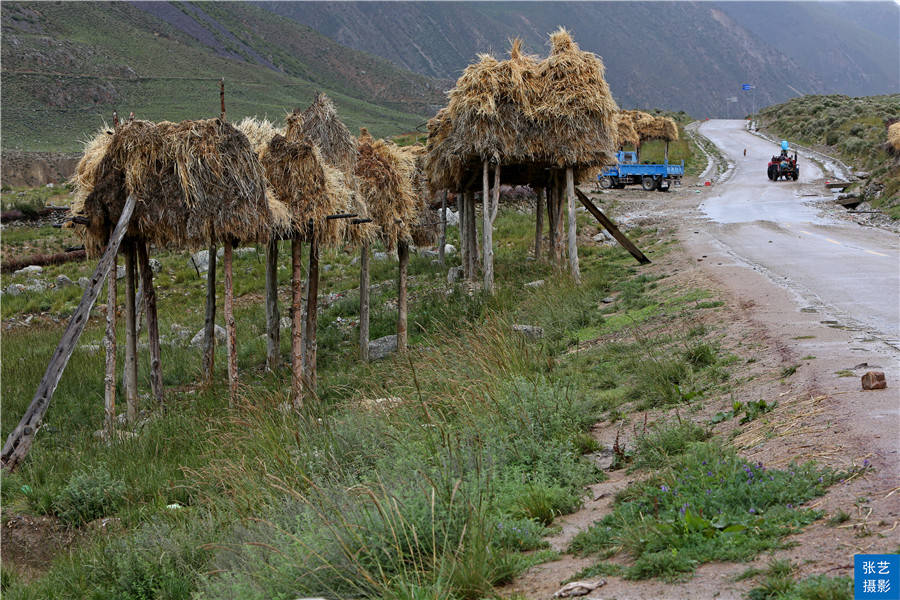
pixel 606 182
pixel 648 183
pixel 795 175
pixel 771 173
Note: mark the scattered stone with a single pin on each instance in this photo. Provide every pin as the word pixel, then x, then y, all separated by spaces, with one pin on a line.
pixel 532 332
pixel 200 260
pixel 429 253
pixel 173 506
pixel 354 260
pixel 377 402
pixel 37 286
pixel 117 435
pixel 874 380
pixel 197 340
pixel 382 347
pixel 155 265
pixel 452 218
pixel 29 270
pixel 285 323
pixel 90 348
pixel 862 175
pixel 535 284
pixel 608 300
pixel 84 282
pixel 578 588
pixel 180 332
pixel 603 459
pixel 15 289
pixel 326 268
pixel 120 272
pixel 453 274
pixel 63 281
pixel 380 256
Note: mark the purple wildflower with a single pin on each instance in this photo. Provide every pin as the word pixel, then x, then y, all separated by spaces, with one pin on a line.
pixel 820 480
pixel 664 488
pixel 866 463
pixel 752 511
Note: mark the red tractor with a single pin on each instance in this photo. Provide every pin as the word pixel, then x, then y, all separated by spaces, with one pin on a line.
pixel 784 166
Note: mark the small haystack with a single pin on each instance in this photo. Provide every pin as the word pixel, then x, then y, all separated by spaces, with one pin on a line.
pixel 385 175
pixel 194 181
pixel 425 230
pixel 625 131
pixel 893 138
pixel 322 126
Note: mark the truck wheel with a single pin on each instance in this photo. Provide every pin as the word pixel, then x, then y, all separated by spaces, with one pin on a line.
pixel 648 183
pixel 606 183
pixel 771 173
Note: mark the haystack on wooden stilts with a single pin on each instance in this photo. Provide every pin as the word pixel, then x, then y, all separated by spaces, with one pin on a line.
pixel 528 120
pixel 625 131
pixel 385 175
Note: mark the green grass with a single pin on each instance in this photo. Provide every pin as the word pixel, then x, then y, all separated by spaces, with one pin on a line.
pixel 709 504
pixel 778 583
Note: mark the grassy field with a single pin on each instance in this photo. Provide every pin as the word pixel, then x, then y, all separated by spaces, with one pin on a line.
pixel 434 474
pixel 854 129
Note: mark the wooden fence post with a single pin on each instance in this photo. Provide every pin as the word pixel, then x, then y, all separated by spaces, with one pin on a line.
pixel 573 229
pixel 22 437
pixel 364 302
pixel 156 385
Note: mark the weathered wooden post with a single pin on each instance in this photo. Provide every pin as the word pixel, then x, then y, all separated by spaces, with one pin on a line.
pixel 109 343
pixel 312 308
pixel 21 438
pixel 364 302
pixel 488 238
pixel 273 318
pixel 156 384
pixel 551 221
pixel 463 233
pixel 403 259
pixel 296 323
pixel 667 151
pixel 130 384
pixel 443 227
pixel 573 239
pixel 230 335
pixel 209 324
pixel 560 237
pixel 538 222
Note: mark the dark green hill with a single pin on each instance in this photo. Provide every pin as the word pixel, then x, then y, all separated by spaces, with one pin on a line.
pixel 68 65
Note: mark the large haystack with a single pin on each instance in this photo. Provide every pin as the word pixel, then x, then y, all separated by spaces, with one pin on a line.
pixel 576 107
pixel 893 137
pixel 322 127
pixel 650 127
pixel 260 132
pixel 425 229
pixel 443 167
pixel 386 181
pixel 195 182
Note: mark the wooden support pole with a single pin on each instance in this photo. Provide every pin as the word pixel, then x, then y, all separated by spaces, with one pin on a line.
pixel 156 385
pixel 573 228
pixel 230 335
pixel 538 222
pixel 560 236
pixel 209 324
pixel 551 221
pixel 473 237
pixel 463 232
pixel 131 385
pixel 611 227
pixel 443 241
pixel 22 437
pixel 487 249
pixel 495 201
pixel 403 267
pixel 273 317
pixel 364 302
pixel 312 316
pixel 296 323
pixel 109 344
pixel 667 151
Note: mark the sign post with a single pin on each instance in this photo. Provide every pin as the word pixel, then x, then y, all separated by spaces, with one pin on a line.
pixel 749 88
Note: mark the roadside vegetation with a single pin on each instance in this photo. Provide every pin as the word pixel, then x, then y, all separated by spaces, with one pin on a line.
pixel 854 129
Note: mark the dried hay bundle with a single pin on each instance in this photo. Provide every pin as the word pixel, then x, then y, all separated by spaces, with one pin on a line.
pixel 346 189
pixel 661 128
pixel 576 108
pixel 625 131
pixel 195 182
pixel 893 136
pixel 443 167
pixel 425 229
pixel 87 171
pixel 385 177
pixel 259 131
pixel 322 126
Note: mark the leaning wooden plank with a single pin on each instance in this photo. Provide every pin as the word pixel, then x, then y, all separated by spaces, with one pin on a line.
pixel 19 441
pixel 611 227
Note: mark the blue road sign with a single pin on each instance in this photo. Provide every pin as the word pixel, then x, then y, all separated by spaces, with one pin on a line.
pixel 746 87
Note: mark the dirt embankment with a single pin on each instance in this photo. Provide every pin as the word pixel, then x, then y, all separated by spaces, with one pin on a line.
pixel 37 168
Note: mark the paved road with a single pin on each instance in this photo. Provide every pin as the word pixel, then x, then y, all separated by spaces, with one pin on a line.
pixel 847 270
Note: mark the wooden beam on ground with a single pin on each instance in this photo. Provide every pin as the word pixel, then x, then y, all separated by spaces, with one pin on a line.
pixel 156 384
pixel 364 302
pixel 230 333
pixel 573 231
pixel 611 227
pixel 273 318
pixel 209 323
pixel 22 437
pixel 296 323
pixel 109 344
pixel 130 379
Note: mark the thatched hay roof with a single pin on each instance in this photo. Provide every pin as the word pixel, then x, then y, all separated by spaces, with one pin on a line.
pixel 259 131
pixel 425 229
pixel 625 131
pixel 322 127
pixel 195 182
pixel 386 181
pixel 525 113
pixel 893 136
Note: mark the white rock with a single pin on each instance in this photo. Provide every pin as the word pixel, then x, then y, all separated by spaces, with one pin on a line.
pixel 155 265
pixel 29 270
pixel 285 323
pixel 197 340
pixel 15 289
pixel 449 249
pixel 36 285
pixel 380 256
pixel 63 281
pixel 200 260
pixel 532 332
pixel 454 274
pixel 120 272
pixel 83 282
pixel 452 218
pixel 382 347
pixel 535 284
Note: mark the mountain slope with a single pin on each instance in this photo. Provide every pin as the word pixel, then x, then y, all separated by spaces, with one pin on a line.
pixel 67 66
pixel 673 55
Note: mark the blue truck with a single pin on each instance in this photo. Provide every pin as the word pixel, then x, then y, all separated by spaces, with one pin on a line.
pixel 628 171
